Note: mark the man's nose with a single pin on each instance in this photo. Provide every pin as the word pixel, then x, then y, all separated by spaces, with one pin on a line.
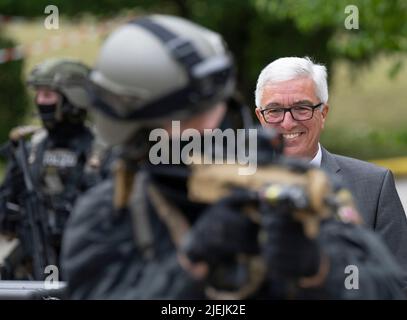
pixel 288 123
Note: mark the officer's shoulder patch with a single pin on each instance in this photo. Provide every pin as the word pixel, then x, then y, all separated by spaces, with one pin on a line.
pixel 23 131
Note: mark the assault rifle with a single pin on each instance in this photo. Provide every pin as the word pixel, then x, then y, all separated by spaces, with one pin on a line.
pixel 285 186
pixel 32 224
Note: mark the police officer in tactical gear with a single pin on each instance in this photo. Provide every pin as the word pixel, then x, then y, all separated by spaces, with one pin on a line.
pixel 139 235
pixel 58 156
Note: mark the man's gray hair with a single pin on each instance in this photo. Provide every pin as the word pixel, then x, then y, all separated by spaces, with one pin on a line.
pixel 290 68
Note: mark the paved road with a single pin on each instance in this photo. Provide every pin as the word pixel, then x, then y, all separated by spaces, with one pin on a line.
pixel 401 185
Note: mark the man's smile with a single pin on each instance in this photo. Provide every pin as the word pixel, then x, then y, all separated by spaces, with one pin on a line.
pixel 292 137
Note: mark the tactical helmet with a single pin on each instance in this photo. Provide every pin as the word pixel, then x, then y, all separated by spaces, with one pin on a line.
pixel 157 68
pixel 63 76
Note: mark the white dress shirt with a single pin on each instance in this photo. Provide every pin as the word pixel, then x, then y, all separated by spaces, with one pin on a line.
pixel 316 161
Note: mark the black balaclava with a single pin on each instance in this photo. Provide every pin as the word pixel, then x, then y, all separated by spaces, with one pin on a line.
pixel 62 119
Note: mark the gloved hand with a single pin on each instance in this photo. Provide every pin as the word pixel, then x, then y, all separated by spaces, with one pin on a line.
pixel 222 232
pixel 287 251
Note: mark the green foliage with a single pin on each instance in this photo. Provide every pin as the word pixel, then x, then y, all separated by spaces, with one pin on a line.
pixel 258 31
pixel 13 98
pixel 29 8
pixel 366 145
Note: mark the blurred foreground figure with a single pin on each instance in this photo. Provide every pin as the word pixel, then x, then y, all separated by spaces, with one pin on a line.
pixel 46 174
pixel 162 228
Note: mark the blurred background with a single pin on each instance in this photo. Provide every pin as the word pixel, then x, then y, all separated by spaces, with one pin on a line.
pixel 367 66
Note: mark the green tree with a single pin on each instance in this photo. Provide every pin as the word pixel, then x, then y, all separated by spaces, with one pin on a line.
pixel 258 31
pixel 13 97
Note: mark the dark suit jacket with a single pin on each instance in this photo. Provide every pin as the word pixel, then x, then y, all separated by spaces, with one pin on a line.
pixel 376 197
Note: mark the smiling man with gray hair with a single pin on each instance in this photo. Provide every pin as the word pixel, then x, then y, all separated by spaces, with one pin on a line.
pixel 292 97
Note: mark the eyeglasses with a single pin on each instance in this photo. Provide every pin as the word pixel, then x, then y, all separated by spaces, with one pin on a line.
pixel 298 113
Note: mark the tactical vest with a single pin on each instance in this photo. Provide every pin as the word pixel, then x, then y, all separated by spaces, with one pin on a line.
pixel 60 171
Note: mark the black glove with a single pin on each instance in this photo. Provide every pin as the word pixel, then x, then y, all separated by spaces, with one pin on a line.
pixel 286 249
pixel 222 232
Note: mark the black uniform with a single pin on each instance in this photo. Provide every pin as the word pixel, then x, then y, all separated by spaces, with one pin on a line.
pixel 58 165
pixel 130 254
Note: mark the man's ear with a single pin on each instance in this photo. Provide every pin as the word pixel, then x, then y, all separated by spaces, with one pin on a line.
pixel 259 116
pixel 324 114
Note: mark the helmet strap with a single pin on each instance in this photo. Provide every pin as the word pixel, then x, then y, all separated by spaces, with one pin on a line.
pixel 123 179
